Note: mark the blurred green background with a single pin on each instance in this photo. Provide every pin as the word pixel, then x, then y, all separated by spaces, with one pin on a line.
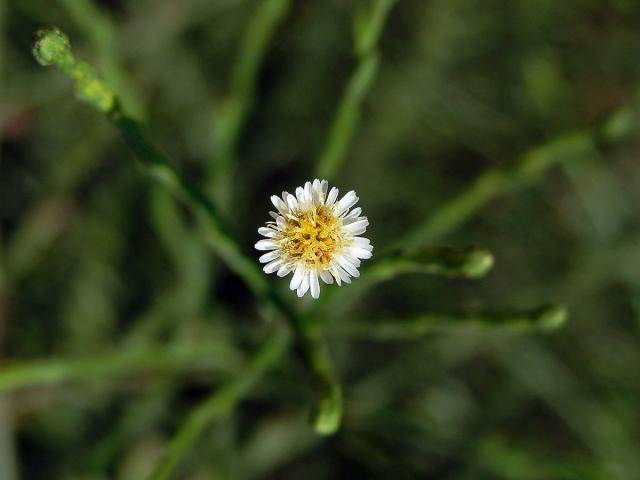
pixel 99 264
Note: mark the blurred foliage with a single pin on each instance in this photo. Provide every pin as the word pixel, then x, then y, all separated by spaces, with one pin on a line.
pixel 511 125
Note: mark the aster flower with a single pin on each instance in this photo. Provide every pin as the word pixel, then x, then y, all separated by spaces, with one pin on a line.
pixel 315 236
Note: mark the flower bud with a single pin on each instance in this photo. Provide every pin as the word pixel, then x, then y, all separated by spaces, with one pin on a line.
pixel 51 46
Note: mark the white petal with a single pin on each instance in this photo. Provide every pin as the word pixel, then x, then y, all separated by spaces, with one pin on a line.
pixel 359 231
pixel 361 242
pixel 351 259
pixel 266 245
pixel 359 252
pixel 267 232
pixel 297 277
pixel 349 220
pixel 303 201
pixel 346 202
pixel 335 275
pixel 358 227
pixel 354 213
pixel 333 194
pixel 314 284
pixel 267 257
pixel 279 204
pixel 304 286
pixel 344 276
pixel 324 186
pixel 308 194
pixel 274 215
pixel 284 270
pixel 273 266
pixel 326 277
pixel 315 187
pixel 292 202
pixel 348 266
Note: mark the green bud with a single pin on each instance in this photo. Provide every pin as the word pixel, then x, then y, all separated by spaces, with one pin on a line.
pixel 327 415
pixel 51 47
pixel 477 263
pixel 470 262
pixel 90 88
pixel 550 317
pixel 95 92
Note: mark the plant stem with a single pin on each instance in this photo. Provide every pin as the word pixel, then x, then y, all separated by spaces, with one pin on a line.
pixel 527 169
pixel 470 262
pixel 131 362
pixel 52 47
pixel 544 318
pixel 99 28
pixel 219 404
pixel 233 113
pixel 96 24
pixel 217 236
pixel 327 413
pixel 368 27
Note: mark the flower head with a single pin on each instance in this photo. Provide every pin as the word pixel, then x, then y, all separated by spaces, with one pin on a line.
pixel 315 236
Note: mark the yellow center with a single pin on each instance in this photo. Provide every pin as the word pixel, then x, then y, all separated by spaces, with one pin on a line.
pixel 313 236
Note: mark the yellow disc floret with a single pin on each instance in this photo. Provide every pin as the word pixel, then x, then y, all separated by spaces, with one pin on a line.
pixel 313 236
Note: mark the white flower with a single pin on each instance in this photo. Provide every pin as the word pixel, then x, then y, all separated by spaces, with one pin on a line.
pixel 315 236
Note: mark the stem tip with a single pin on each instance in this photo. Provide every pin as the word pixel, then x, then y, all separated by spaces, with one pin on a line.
pixel 51 46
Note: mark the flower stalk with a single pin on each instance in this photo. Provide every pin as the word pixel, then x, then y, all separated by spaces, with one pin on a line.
pixel 469 262
pixel 544 318
pixel 367 30
pixel 135 361
pixel 52 47
pixel 231 117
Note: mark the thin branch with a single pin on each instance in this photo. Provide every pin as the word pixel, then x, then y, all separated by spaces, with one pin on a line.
pixel 368 28
pixel 52 47
pixel 130 362
pixel 470 262
pixel 232 116
pixel 544 318
pixel 221 403
pixel 527 169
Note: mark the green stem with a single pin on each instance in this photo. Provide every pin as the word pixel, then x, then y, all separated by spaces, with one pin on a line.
pixel 132 362
pixel 94 23
pixel 329 397
pixel 191 259
pixel 600 429
pixel 218 236
pixel 219 404
pixel 470 262
pixel 233 113
pixel 527 169
pixel 53 48
pixel 368 27
pixel 327 413
pixel 544 318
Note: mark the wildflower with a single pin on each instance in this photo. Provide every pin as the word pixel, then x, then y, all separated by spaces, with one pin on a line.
pixel 315 236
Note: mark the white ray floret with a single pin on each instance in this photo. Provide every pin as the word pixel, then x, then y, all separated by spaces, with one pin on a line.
pixel 315 236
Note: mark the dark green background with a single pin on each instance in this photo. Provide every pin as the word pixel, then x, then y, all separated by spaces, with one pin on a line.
pixel 463 86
